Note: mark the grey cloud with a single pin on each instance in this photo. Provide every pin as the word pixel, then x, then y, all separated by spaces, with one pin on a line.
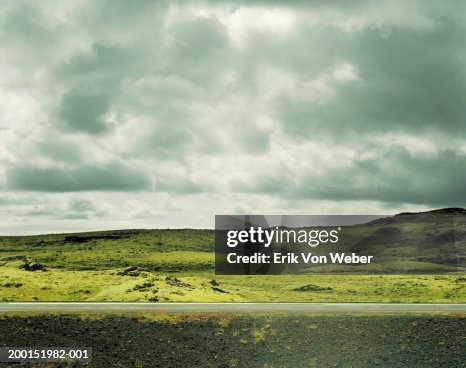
pixel 39 213
pixel 81 205
pixel 75 216
pixel 197 40
pixel 27 37
pixel 64 151
pixel 192 94
pixel 103 67
pixel 194 48
pixel 395 177
pixel 411 81
pixel 12 201
pixel 86 178
pixel 26 22
pixel 179 184
pixel 434 182
pixel 199 50
pixel 80 208
pixel 83 111
pixel 169 141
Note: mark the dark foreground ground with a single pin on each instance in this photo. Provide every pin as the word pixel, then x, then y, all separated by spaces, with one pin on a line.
pixel 245 341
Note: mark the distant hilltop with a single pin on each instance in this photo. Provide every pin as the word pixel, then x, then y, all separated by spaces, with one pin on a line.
pixel 441 211
pixel 442 214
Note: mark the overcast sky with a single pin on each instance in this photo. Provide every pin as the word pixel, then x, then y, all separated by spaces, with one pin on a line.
pixel 132 114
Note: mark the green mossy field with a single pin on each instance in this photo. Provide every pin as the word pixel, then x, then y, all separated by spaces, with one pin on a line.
pixel 178 265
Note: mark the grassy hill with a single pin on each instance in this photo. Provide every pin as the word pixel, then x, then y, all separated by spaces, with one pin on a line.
pixel 426 242
pixel 178 265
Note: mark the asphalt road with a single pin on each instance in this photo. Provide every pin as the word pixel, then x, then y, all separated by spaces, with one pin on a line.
pixel 115 307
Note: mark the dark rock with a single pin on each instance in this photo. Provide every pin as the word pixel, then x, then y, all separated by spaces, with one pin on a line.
pixel 143 286
pixel 311 287
pixel 173 281
pixel 132 271
pixel 32 266
pixel 220 290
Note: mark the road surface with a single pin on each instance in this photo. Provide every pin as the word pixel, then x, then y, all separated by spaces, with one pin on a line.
pixel 115 307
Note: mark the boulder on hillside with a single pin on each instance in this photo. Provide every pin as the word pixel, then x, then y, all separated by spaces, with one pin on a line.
pixel 32 266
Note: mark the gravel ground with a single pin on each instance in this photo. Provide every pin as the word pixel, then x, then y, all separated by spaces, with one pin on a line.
pixel 250 341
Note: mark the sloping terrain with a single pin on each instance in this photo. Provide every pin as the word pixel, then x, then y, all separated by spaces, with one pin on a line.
pixel 178 265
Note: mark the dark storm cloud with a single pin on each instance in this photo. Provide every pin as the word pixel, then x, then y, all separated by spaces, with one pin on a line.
pixel 411 81
pixel 395 177
pixel 86 178
pixel 83 111
pixel 297 102
pixel 437 181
